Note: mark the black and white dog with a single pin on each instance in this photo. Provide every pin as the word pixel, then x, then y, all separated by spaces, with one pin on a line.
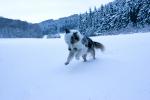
pixel 79 45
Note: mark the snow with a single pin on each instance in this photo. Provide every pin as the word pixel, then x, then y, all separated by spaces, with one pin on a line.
pixel 33 69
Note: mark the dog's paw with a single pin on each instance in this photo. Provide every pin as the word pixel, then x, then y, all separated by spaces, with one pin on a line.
pixel 66 63
pixel 85 60
pixel 69 49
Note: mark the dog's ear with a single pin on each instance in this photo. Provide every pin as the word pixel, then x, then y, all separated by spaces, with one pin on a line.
pixel 67 31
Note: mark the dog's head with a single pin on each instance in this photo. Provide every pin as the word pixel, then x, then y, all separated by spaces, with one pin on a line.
pixel 74 38
pixel 74 35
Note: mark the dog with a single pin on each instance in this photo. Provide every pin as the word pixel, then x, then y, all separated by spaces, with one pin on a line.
pixel 79 45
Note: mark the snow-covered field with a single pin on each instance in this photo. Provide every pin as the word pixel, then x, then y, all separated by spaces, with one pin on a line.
pixel 33 69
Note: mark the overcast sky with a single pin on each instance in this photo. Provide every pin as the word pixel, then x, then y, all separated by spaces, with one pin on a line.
pixel 39 10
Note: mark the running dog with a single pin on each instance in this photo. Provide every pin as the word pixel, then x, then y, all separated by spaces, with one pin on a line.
pixel 79 45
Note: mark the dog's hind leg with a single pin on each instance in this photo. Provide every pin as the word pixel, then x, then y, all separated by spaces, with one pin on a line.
pixel 84 57
pixel 70 56
pixel 93 53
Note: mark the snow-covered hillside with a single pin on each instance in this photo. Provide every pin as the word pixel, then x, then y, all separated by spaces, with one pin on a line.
pixel 33 69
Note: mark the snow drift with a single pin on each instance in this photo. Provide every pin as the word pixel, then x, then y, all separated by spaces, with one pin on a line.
pixel 33 69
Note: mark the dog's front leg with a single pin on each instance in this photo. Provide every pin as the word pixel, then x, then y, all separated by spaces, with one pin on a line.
pixel 70 56
pixel 78 54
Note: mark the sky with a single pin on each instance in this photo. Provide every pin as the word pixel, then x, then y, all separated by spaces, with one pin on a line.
pixel 35 11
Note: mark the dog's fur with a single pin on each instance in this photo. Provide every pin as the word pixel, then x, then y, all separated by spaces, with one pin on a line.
pixel 79 45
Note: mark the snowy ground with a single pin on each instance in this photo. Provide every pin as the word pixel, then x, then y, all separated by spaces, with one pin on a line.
pixel 33 69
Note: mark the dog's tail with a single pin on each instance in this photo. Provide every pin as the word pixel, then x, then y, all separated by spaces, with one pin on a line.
pixel 98 45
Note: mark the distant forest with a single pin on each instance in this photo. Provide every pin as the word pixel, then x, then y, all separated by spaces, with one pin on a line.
pixel 119 16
